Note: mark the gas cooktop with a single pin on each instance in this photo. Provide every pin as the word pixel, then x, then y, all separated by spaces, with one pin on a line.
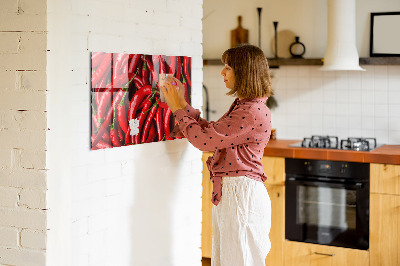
pixel 332 142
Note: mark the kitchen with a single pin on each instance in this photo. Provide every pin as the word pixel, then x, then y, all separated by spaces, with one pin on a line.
pixel 314 104
pixel 117 206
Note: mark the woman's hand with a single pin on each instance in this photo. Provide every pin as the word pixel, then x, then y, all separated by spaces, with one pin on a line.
pixel 174 94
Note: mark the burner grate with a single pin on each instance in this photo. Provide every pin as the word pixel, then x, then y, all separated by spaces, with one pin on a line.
pixel 358 144
pixel 327 142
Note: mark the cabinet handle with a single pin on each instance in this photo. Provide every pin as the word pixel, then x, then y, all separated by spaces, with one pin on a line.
pixel 324 254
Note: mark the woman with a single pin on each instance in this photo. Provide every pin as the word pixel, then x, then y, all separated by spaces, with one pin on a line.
pixel 242 208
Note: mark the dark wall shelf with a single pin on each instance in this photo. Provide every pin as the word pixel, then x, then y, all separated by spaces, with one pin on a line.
pixel 380 61
pixel 273 62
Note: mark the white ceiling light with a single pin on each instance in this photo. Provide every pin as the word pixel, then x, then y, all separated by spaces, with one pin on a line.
pixel 341 51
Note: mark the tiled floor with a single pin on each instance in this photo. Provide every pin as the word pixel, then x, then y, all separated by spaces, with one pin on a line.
pixel 206 261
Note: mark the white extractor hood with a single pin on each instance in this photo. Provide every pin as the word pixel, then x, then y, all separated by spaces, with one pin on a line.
pixel 341 51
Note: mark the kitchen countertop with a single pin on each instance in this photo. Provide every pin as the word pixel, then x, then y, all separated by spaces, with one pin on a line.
pixel 389 154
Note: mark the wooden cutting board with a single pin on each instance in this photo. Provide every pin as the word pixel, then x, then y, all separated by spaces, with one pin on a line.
pixel 239 35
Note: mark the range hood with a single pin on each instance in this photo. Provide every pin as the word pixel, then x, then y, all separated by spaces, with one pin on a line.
pixel 341 51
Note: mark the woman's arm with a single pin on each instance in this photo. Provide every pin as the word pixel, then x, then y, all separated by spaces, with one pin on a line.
pixel 235 129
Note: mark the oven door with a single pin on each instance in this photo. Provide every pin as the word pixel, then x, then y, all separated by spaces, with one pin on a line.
pixel 327 213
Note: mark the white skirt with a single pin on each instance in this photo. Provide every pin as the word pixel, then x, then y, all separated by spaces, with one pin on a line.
pixel 241 223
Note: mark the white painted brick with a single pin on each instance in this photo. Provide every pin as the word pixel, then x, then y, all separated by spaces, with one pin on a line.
pixel 9 42
pixel 31 80
pixel 23 178
pixel 31 61
pixel 8 197
pixel 37 7
pixel 8 6
pixel 5 158
pixel 23 119
pixel 33 199
pixel 18 256
pixel 23 218
pixel 98 222
pixel 23 139
pixel 22 100
pixel 9 237
pixel 22 22
pixel 33 159
pixel 7 79
pixel 33 239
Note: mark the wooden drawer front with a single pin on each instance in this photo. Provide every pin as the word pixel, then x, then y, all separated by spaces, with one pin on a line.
pixel 385 178
pixel 304 254
pixel 274 168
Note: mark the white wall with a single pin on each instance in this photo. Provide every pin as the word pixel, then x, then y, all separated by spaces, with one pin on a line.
pixel 136 205
pixel 23 133
pixel 311 102
pixel 306 19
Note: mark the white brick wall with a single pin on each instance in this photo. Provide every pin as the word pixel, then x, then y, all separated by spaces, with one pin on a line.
pixel 136 205
pixel 23 132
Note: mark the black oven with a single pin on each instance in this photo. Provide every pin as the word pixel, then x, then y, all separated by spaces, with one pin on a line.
pixel 327 202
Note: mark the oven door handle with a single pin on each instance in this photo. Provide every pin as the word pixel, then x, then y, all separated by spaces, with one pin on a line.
pixel 357 185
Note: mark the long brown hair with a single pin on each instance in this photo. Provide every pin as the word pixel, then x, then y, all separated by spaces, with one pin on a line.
pixel 250 66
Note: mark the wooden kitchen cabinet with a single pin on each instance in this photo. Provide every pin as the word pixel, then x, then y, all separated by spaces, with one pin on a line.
pixel 385 178
pixel 305 254
pixel 274 168
pixel 277 233
pixel 206 226
pixel 384 236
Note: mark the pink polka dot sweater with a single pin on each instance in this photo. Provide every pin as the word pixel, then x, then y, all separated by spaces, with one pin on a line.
pixel 238 139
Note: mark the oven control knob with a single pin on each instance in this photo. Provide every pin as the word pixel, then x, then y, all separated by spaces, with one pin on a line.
pixel 343 168
pixel 308 166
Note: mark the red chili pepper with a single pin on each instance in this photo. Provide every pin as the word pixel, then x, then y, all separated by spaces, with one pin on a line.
pixel 143 102
pixel 187 92
pixel 102 70
pixel 117 61
pixel 137 99
pixel 134 62
pixel 162 65
pixel 106 137
pixel 122 115
pixel 159 123
pixel 152 133
pixel 96 59
pixel 167 119
pixel 95 122
pixel 138 82
pixel 107 121
pixel 186 66
pixel 142 118
pixel 172 65
pixel 124 65
pixel 149 119
pixel 121 135
pixel 97 96
pixel 105 102
pixel 114 135
pixel 103 145
pixel 145 75
pixel 178 68
pixel 120 81
pixel 151 68
pixel 128 137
